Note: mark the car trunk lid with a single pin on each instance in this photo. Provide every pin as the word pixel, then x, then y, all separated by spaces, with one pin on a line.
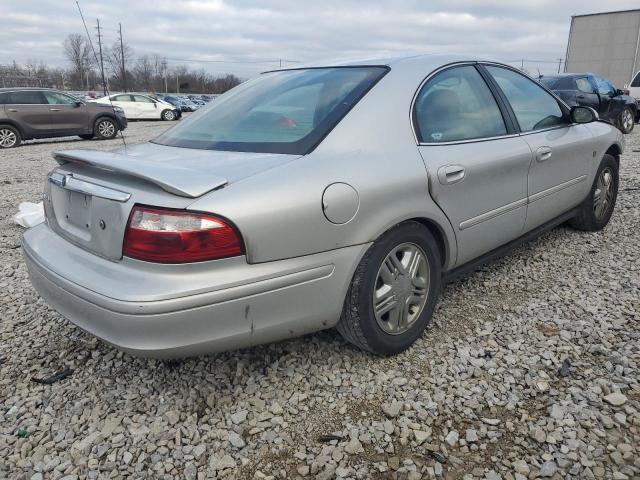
pixel 88 199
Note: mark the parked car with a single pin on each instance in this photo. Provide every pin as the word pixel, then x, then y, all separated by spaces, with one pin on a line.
pixel 207 98
pixel 341 195
pixel 28 113
pixel 177 102
pixel 597 92
pixel 633 89
pixel 141 107
pixel 190 104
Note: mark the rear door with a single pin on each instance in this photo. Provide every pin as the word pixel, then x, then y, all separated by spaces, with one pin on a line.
pixel 125 101
pixel 607 93
pixel 476 163
pixel 30 110
pixel 68 115
pixel 563 152
pixel 145 107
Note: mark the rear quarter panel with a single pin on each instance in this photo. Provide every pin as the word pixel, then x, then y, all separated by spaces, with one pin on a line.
pixel 373 149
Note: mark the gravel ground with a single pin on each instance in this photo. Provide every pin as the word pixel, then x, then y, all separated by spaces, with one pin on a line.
pixel 529 370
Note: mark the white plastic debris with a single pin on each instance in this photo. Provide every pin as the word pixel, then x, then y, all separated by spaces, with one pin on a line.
pixel 29 214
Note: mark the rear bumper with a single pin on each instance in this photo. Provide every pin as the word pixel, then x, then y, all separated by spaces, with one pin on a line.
pixel 272 302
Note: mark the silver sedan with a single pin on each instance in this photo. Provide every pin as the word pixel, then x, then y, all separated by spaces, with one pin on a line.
pixel 339 195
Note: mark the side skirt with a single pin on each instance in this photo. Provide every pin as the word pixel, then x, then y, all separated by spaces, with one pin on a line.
pixel 474 264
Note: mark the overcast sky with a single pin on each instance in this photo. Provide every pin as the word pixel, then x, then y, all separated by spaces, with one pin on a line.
pixel 263 32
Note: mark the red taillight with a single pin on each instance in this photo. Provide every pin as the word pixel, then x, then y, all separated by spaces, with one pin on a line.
pixel 626 91
pixel 178 236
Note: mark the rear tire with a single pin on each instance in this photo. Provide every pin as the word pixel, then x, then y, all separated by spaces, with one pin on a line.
pixel 381 280
pixel 9 137
pixel 105 128
pixel 626 120
pixel 596 210
pixel 168 115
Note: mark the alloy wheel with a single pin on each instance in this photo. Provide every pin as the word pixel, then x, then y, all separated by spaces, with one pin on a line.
pixel 106 129
pixel 8 138
pixel 627 120
pixel 603 195
pixel 401 288
pixel 169 115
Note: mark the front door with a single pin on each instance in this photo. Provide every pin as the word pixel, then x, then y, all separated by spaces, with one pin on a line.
pixel 125 101
pixel 145 107
pixel 68 115
pixel 562 152
pixel 477 166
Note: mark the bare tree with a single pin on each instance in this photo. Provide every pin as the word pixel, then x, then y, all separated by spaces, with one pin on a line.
pixel 144 72
pixel 78 52
pixel 116 63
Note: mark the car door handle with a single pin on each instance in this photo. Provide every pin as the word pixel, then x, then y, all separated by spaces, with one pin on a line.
pixel 543 154
pixel 579 96
pixel 12 109
pixel 450 174
pixel 54 109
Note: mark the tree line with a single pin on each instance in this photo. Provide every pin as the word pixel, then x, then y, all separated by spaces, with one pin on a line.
pixel 122 71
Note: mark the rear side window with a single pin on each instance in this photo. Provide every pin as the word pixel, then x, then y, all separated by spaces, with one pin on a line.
pixel 604 86
pixel 27 97
pixel 455 105
pixel 534 107
pixel 584 85
pixel 122 98
pixel 636 81
pixel 4 98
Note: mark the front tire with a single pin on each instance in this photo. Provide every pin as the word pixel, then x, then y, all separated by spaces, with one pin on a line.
pixel 626 120
pixel 9 137
pixel 105 128
pixel 596 210
pixel 168 115
pixel 393 291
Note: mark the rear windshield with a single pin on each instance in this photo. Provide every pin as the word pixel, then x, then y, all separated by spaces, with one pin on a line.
pixel 278 112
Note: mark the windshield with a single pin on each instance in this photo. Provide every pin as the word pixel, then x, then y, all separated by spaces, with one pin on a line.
pixel 278 112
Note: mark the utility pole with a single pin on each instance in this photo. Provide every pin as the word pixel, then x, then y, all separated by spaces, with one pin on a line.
pixel 522 64
pixel 104 83
pixel 124 72
pixel 164 73
pixel 559 64
pixel 177 84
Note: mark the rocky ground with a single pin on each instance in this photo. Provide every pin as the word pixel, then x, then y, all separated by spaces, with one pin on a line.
pixel 530 370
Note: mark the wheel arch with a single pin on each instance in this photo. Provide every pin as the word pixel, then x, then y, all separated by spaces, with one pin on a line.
pixel 103 115
pixel 15 125
pixel 615 151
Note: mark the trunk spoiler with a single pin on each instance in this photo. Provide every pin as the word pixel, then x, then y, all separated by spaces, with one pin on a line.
pixel 182 181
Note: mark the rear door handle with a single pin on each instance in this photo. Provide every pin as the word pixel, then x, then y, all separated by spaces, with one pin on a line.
pixel 450 174
pixel 543 153
pixel 12 109
pixel 54 109
pixel 579 96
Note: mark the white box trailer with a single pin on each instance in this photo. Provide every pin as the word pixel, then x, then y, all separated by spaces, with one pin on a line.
pixel 606 44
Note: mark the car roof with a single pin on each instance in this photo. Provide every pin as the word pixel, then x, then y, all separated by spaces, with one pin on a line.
pixel 408 61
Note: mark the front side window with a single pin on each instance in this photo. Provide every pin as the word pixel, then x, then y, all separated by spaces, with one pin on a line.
pixel 55 98
pixel 278 112
pixel 584 85
pixel 533 106
pixel 141 99
pixel 604 86
pixel 27 97
pixel 455 105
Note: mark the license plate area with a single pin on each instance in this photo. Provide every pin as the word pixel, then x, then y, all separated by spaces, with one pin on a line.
pixel 72 211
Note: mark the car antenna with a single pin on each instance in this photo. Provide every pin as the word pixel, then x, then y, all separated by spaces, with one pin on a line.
pixel 105 86
pixel 539 74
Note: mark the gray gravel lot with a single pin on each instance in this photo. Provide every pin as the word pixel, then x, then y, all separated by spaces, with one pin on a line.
pixel 479 396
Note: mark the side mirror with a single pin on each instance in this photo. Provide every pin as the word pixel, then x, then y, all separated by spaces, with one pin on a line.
pixel 78 103
pixel 583 115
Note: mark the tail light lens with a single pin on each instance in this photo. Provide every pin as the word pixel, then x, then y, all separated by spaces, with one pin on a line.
pixel 626 91
pixel 179 236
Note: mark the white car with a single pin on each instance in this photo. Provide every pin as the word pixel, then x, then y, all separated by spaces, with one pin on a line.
pixel 137 106
pixel 633 88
